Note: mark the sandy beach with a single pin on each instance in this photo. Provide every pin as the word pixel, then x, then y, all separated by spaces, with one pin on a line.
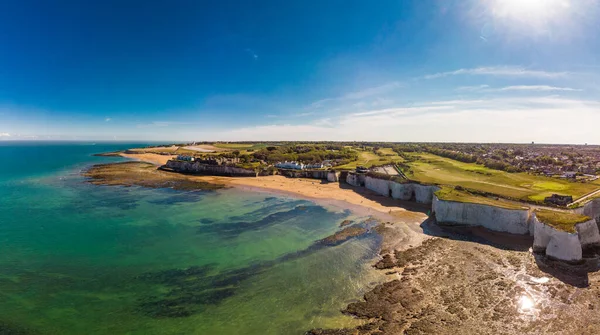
pixel 357 199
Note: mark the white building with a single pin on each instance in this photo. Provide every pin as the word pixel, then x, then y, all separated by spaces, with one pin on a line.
pixel 290 165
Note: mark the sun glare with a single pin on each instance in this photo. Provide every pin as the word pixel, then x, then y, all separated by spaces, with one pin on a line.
pixel 525 303
pixel 533 13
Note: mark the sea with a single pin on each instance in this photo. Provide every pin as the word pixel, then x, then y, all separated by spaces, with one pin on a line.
pixel 77 258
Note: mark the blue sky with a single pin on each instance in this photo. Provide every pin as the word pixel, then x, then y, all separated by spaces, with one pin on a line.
pixel 471 70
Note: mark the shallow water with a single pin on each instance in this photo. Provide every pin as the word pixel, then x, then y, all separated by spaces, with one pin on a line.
pixel 82 259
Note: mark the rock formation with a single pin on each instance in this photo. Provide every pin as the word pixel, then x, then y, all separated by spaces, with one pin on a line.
pixel 206 169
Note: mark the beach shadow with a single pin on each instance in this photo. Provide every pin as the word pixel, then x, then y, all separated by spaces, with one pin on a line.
pixel 387 201
pixel 500 240
pixel 572 274
pixel 576 275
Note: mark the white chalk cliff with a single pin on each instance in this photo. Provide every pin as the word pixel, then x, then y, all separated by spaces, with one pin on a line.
pixel 556 244
pixel 514 221
pixel 591 209
pixel 401 191
pixel 564 245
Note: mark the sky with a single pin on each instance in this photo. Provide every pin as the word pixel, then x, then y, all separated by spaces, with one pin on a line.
pixel 424 70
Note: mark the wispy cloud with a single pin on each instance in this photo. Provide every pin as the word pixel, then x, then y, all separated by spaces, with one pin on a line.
pixel 516 88
pixel 361 94
pixel 162 124
pixel 4 135
pixel 372 91
pixel 514 119
pixel 503 71
pixel 401 110
pixel 543 88
pixel 252 54
pixel 107 119
pixel 304 114
pixel 472 88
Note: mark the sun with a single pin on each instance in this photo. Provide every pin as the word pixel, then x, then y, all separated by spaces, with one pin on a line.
pixel 535 14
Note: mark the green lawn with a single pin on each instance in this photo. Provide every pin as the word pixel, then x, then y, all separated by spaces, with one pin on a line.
pixel 369 159
pixel 439 170
pixel 365 158
pixel 450 194
pixel 564 221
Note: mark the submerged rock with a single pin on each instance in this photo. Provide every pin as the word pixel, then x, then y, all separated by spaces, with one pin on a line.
pixel 346 223
pixel 344 235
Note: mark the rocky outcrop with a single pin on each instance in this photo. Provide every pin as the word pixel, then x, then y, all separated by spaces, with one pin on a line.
pixel 211 170
pixel 514 221
pixel 556 244
pixel 401 191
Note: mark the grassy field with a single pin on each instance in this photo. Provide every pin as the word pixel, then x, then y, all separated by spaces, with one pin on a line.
pixel 368 158
pixel 450 194
pixel 365 158
pixel 240 146
pixel 564 221
pixel 439 170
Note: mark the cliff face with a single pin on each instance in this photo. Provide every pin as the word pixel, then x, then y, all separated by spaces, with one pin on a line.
pixel 211 170
pixel 514 221
pixel 409 191
pixel 333 176
pixel 588 233
pixel 591 209
pixel 355 179
pixel 312 174
pixel 556 244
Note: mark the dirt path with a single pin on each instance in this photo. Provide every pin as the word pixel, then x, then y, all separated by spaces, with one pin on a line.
pixel 597 192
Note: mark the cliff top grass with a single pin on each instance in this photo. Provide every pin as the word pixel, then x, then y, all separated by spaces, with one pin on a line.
pixel 429 168
pixel 452 194
pixel 564 221
pixel 368 158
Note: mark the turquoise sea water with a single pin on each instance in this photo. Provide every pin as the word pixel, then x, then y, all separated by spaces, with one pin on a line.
pixel 82 259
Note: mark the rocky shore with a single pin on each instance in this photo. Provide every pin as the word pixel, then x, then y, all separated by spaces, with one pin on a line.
pixel 143 174
pixel 453 285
